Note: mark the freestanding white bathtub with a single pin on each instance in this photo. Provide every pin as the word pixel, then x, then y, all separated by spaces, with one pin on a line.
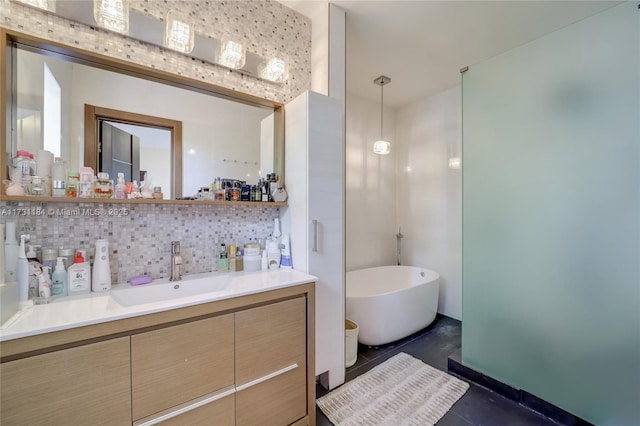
pixel 391 302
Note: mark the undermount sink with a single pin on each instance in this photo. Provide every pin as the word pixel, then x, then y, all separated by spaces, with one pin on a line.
pixel 169 290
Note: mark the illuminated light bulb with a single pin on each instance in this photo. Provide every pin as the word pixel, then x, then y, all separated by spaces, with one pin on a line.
pixel 179 34
pixel 381 147
pixel 273 70
pixel 232 54
pixel 112 15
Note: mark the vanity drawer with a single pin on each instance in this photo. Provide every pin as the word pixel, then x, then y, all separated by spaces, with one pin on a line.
pixel 180 363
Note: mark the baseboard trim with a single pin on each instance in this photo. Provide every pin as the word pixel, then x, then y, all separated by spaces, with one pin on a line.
pixel 520 396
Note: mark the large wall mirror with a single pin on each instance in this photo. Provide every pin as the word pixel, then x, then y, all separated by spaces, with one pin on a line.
pixel 63 100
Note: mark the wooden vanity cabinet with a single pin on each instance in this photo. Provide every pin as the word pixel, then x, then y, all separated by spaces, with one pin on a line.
pixel 89 384
pixel 242 361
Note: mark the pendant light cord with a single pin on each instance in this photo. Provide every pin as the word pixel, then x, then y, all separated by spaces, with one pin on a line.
pixel 381 110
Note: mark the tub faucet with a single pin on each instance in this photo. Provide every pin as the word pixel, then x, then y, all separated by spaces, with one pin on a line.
pixel 399 237
pixel 176 261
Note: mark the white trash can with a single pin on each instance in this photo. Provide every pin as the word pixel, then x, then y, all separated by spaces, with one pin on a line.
pixel 351 343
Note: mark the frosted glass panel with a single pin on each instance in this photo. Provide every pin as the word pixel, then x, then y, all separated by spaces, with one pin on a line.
pixel 551 233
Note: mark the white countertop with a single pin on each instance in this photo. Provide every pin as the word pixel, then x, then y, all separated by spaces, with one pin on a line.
pixel 77 311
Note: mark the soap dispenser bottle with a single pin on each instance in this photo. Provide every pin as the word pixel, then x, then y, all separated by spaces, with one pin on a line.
pixel 59 280
pixel 101 279
pixel 223 261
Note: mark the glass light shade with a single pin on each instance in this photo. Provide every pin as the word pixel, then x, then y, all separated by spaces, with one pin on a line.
pixel 232 54
pixel 179 34
pixel 41 4
pixel 112 15
pixel 454 162
pixel 381 147
pixel 273 69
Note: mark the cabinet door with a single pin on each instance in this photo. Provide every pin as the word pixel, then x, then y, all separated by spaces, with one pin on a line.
pixel 89 385
pixel 271 364
pixel 177 364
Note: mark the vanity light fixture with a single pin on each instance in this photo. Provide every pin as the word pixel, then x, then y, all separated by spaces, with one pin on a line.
pixel 273 69
pixel 381 146
pixel 41 4
pixel 454 162
pixel 232 54
pixel 179 34
pixel 112 15
pixel 176 31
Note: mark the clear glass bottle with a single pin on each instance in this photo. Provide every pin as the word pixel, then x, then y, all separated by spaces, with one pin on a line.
pixel 120 187
pixel 37 187
pixel 103 186
pixel 157 193
pixel 86 182
pixel 72 184
pixel 59 177
pixel 24 166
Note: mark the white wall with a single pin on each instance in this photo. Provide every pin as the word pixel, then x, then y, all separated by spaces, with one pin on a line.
pixel 429 195
pixel 217 135
pixel 424 202
pixel 371 186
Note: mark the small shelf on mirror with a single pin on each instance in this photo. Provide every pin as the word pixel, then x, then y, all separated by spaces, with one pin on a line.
pixel 34 199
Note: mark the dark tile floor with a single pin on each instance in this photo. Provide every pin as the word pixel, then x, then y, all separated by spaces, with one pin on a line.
pixel 433 345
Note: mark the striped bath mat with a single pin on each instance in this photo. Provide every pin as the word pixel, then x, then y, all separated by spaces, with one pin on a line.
pixel 400 391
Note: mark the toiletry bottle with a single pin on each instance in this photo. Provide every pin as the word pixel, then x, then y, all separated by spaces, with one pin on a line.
pixel 33 264
pixel 22 274
pixel 44 284
pixel 11 250
pixel 101 279
pixel 239 260
pixel 59 280
pixel 232 258
pixel 86 182
pixel 223 261
pixel 79 276
pixel 264 262
pixel 285 253
pixel 120 187
pixel 59 174
pixel 273 246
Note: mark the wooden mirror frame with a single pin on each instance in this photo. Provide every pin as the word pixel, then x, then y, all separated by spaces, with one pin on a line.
pixel 72 54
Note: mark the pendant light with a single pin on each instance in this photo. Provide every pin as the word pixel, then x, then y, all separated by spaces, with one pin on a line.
pixel 381 146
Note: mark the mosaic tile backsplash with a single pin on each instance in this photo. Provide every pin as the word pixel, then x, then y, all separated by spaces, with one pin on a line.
pixel 140 235
pixel 267 27
pixel 140 241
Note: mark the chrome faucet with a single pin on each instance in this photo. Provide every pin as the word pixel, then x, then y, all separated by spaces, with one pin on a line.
pixel 399 237
pixel 176 261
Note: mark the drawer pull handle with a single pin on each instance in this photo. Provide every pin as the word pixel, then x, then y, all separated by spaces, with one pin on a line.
pixel 188 408
pixel 267 377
